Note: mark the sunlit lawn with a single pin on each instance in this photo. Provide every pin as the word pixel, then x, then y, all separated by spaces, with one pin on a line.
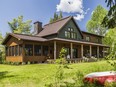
pixel 37 75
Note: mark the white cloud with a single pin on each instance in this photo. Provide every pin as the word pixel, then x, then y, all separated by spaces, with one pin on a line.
pixel 72 6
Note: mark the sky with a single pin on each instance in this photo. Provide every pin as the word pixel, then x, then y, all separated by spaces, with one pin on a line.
pixel 43 10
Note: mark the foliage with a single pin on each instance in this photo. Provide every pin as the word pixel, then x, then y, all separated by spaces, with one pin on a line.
pixel 17 25
pixel 62 59
pixel 56 17
pixel 110 39
pixel 94 24
pixel 110 19
pixel 2 49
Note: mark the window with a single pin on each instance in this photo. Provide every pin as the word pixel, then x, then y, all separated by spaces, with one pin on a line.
pixel 20 49
pixel 97 40
pixel 13 54
pixel 70 33
pixel 7 50
pixel 16 50
pixel 10 51
pixel 45 50
pixel 87 38
pixel 29 50
pixel 37 50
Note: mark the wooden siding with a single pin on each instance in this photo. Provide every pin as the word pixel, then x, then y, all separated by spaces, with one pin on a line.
pixel 14 58
pixel 70 24
pixel 38 59
pixel 93 38
pixel 13 41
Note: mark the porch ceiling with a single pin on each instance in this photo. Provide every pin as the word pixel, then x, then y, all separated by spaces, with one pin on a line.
pixel 79 42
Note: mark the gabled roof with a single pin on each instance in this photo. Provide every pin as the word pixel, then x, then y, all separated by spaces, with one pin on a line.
pixel 55 27
pixel 23 37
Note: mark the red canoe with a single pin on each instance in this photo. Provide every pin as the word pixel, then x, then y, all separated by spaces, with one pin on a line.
pixel 101 77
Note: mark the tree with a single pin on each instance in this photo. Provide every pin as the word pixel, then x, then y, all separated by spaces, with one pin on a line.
pixel 110 19
pixel 60 16
pixel 17 25
pixel 94 24
pixel 56 17
pixel 2 49
pixel 110 39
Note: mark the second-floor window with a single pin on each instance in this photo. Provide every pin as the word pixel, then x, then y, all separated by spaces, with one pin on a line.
pixel 70 33
pixel 87 38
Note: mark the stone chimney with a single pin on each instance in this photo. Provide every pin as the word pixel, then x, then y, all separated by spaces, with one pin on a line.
pixel 37 27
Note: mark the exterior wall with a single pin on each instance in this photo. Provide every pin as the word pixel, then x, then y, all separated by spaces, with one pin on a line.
pixel 71 24
pixel 14 59
pixel 12 42
pixel 33 58
pixel 38 59
pixel 93 38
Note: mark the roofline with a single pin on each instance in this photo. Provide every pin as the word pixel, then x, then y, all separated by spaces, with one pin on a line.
pixel 71 17
pixel 12 34
pixel 92 34
pixel 75 41
pixel 57 20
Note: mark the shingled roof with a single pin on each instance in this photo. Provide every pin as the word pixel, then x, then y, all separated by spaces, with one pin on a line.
pixel 54 28
pixel 23 37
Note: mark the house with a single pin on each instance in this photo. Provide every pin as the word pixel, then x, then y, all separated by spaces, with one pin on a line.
pixel 48 40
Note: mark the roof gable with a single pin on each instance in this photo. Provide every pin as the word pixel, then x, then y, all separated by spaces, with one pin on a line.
pixel 73 25
pixel 55 27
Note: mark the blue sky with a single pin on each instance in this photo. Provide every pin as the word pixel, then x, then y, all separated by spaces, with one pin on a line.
pixel 42 10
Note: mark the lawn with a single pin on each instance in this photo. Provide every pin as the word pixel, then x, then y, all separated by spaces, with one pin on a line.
pixel 37 75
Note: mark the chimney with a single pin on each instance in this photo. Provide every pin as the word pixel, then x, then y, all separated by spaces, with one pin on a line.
pixel 37 27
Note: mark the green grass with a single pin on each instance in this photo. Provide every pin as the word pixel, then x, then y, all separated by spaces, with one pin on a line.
pixel 37 75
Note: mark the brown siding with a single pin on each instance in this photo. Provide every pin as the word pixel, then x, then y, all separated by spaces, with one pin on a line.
pixel 34 58
pixel 93 38
pixel 13 41
pixel 14 59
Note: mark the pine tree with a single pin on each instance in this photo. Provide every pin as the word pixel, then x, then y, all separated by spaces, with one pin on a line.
pixel 60 16
pixel 56 17
pixel 17 25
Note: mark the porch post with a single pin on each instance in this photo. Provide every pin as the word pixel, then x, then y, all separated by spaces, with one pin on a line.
pixel 55 50
pixel 90 50
pixel 82 50
pixel 71 47
pixel 97 51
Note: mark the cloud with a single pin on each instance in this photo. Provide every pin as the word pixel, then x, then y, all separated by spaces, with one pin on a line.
pixel 72 6
pixel 81 16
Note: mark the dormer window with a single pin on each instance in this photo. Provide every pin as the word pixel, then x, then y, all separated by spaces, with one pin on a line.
pixel 70 33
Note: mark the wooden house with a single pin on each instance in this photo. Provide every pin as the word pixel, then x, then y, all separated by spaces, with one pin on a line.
pixel 48 40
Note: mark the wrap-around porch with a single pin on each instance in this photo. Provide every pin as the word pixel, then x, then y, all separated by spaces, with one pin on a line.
pixel 76 51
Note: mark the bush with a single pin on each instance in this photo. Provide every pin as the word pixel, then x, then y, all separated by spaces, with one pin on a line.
pixel 28 62
pixel 23 63
pixel 110 84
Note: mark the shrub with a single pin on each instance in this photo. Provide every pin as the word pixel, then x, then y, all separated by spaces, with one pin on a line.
pixel 110 84
pixel 28 62
pixel 23 63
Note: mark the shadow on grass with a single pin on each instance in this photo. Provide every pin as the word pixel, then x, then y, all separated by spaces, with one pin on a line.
pixel 4 74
